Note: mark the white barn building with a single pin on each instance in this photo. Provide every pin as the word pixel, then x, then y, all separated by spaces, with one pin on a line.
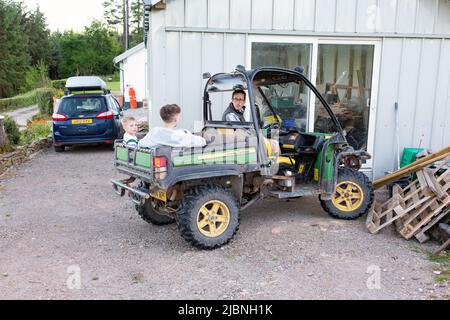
pixel 133 73
pixel 369 54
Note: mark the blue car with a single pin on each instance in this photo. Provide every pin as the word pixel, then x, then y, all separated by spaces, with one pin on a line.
pixel 86 118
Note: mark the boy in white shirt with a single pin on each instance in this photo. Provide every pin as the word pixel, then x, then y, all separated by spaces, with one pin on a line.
pixel 169 135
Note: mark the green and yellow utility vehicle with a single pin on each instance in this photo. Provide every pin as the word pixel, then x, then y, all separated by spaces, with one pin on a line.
pixel 205 189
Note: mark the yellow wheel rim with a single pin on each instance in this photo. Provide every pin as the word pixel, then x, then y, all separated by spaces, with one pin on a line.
pixel 348 197
pixel 213 218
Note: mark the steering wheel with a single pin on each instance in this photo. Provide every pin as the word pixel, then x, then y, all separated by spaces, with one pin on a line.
pixel 273 126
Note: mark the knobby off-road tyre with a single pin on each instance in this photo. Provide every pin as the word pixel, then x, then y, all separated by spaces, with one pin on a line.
pixel 149 213
pixel 208 217
pixel 353 197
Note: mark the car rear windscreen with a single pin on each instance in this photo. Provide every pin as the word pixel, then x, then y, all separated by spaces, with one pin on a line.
pixel 74 106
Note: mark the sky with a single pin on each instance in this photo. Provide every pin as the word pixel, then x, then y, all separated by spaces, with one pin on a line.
pixel 68 14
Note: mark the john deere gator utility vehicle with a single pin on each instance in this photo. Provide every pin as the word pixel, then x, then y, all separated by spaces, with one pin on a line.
pixel 205 189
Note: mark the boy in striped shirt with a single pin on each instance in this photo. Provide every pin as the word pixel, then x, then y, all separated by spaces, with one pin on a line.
pixel 130 126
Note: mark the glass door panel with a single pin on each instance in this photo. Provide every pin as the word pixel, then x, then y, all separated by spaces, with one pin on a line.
pixel 344 78
pixel 290 100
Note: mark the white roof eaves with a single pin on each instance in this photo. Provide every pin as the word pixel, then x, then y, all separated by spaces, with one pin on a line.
pixel 152 2
pixel 129 52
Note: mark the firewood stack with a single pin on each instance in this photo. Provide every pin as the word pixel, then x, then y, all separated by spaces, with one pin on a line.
pixel 419 206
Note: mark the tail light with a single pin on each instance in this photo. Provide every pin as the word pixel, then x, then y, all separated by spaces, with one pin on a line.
pixel 105 115
pixel 59 117
pixel 160 167
pixel 159 162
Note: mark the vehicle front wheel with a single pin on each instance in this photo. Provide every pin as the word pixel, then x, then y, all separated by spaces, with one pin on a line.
pixel 59 148
pixel 353 197
pixel 208 217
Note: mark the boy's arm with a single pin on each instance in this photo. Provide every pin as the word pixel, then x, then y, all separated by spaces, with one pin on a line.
pixel 145 142
pixel 187 139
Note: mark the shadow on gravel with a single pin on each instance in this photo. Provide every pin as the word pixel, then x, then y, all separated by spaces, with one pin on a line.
pixel 82 149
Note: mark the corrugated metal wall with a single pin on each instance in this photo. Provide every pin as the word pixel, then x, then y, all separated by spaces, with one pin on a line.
pixel 362 16
pixel 415 67
pixel 416 74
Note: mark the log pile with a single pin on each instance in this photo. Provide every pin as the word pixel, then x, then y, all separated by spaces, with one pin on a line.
pixel 419 206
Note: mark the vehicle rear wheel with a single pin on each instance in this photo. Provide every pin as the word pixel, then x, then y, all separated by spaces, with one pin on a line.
pixel 149 213
pixel 59 148
pixel 208 217
pixel 353 197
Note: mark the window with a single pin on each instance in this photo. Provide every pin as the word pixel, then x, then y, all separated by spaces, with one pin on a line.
pixel 344 78
pixel 82 105
pixel 285 55
pixel 288 102
pixel 343 73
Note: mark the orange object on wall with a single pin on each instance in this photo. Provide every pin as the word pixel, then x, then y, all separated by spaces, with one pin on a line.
pixel 132 95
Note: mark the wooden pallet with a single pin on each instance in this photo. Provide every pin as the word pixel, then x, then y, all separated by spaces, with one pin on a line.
pixel 413 223
pixel 419 222
pixel 413 197
pixel 421 236
pixel 417 207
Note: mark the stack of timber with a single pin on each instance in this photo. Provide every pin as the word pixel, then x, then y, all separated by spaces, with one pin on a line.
pixel 415 209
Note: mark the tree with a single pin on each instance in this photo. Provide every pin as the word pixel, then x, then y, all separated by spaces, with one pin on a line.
pixel 137 22
pixel 113 13
pixel 15 57
pixel 39 37
pixel 87 53
pixel 115 18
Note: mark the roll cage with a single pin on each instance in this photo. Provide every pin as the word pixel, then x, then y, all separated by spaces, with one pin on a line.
pixel 249 80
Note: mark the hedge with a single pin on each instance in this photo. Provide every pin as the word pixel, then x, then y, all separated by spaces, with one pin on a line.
pixel 44 99
pixel 20 101
pixel 59 84
pixel 12 130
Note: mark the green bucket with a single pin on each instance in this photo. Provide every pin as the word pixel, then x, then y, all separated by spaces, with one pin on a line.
pixel 409 156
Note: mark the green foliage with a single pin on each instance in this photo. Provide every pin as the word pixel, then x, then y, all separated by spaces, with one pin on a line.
pixel 36 77
pixel 443 259
pixel 38 35
pixel 40 117
pixel 88 53
pixel 12 130
pixel 137 20
pixel 59 93
pixel 14 53
pixel 29 54
pixel 111 77
pixel 35 131
pixel 114 86
pixel 59 84
pixel 113 14
pixel 44 99
pixel 20 101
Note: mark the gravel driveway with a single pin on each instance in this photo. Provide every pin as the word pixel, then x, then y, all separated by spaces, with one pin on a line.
pixel 64 234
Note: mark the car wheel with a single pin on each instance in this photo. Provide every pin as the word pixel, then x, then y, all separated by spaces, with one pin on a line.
pixel 59 148
pixel 353 197
pixel 208 217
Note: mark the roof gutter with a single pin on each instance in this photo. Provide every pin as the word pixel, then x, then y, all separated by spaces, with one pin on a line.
pixel 148 6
